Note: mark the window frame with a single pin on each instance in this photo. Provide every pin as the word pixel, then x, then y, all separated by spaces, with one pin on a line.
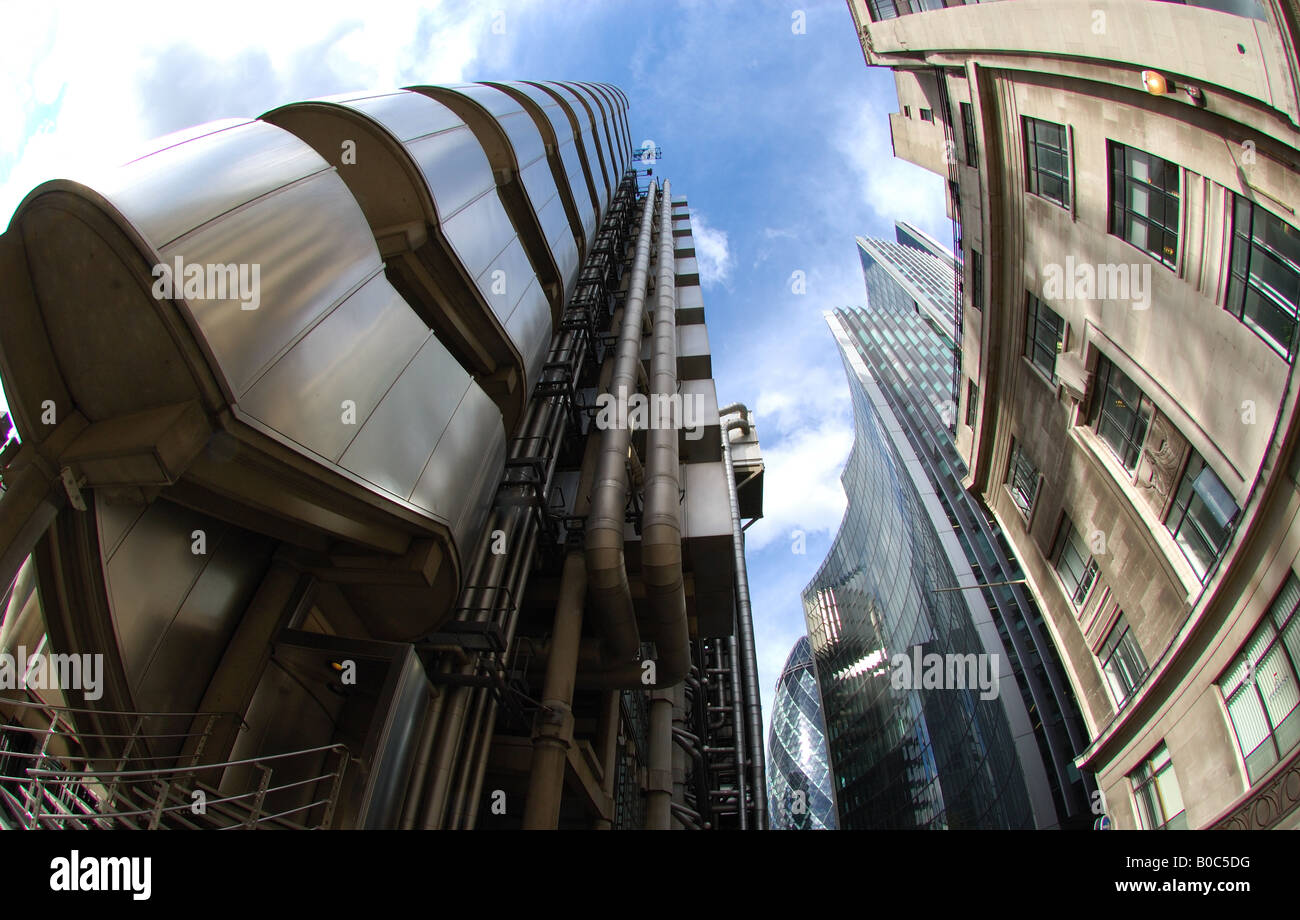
pixel 1121 635
pixel 1185 497
pixel 1146 781
pixel 1241 281
pixel 1122 213
pixel 972 402
pixel 1017 462
pixel 926 115
pixel 1087 577
pixel 968 134
pixel 977 279
pixel 1099 411
pixel 1034 323
pixel 1284 625
pixel 1035 171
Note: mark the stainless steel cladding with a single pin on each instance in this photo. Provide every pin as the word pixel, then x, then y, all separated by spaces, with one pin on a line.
pixel 300 336
pixel 597 123
pixel 532 166
pixel 559 130
pixel 175 610
pixel 428 192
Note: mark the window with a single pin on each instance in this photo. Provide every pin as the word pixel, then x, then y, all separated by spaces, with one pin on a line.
pixel 1264 280
pixel 976 279
pixel 1044 335
pixel 927 115
pixel 1260 686
pixel 907 111
pixel 1159 801
pixel 1074 564
pixel 1202 515
pixel 1047 160
pixel 968 131
pixel 1121 413
pixel 972 404
pixel 1144 202
pixel 1122 662
pixel 880 10
pixel 1022 478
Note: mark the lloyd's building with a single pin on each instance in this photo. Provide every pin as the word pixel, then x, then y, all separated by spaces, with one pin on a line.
pixel 309 466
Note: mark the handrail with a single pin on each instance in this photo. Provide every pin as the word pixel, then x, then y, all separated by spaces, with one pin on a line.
pixel 171 771
pixel 5 701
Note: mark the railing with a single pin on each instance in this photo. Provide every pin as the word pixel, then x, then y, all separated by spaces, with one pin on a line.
pixel 46 789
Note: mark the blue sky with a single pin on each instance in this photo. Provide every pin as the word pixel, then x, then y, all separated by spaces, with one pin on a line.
pixel 779 139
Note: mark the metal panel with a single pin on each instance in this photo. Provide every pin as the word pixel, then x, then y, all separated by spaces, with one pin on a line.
pixel 174 610
pixel 613 109
pixel 454 166
pixel 693 357
pixel 407 115
pixel 555 225
pixel 535 174
pixel 597 150
pixel 466 464
pixel 470 212
pixel 604 128
pixel 620 124
pixel 700 413
pixel 355 353
pixel 312 246
pixel 479 232
pixel 396 441
pixel 190 651
pixel 582 181
pixel 186 184
pixel 531 322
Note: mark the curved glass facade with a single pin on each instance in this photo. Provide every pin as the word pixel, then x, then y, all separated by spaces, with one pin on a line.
pixel 904 755
pixel 799 790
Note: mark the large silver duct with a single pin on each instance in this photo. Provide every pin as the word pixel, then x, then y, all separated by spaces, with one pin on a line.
pixel 748 660
pixel 607 584
pixel 661 530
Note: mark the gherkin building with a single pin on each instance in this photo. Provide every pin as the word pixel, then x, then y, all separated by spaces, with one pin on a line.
pixel 800 795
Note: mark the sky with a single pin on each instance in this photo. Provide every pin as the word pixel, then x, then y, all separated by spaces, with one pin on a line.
pixel 769 119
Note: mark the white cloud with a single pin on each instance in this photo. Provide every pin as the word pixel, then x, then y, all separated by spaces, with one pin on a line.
pixel 890 187
pixel 712 251
pixel 87 89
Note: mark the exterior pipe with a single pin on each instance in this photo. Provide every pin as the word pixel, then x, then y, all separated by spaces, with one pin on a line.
pixel 553 735
pixel 611 595
pixel 738 729
pixel 415 786
pixel 659 766
pixel 661 523
pixel 745 626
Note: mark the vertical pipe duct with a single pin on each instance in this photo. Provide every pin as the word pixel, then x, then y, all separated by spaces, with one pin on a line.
pixel 553 733
pixel 745 626
pixel 739 728
pixel 611 595
pixel 661 523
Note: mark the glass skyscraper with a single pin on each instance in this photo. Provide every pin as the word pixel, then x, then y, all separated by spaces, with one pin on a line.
pixel 800 795
pixel 907 756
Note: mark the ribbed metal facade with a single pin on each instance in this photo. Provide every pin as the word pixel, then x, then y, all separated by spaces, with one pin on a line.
pixel 306 404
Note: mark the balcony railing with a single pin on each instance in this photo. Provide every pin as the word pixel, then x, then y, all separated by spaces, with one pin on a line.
pixel 50 779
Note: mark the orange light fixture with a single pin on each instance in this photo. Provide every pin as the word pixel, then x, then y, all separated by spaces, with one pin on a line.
pixel 1155 82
